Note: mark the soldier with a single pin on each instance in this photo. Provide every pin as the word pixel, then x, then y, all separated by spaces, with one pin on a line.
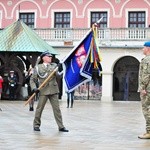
pixel 49 91
pixel 12 81
pixel 27 81
pixel 1 86
pixel 144 88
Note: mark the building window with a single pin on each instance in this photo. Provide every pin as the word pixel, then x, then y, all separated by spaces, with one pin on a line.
pixel 62 20
pixel 95 16
pixel 27 18
pixel 136 20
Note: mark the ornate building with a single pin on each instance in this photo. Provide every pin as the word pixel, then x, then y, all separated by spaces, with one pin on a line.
pixel 62 23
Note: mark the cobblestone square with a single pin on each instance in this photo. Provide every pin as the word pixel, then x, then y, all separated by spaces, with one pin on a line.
pixel 93 125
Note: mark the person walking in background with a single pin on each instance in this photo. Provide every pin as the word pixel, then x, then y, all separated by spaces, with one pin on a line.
pixel 49 91
pixel 70 96
pixel 27 81
pixel 1 86
pixel 144 88
pixel 12 82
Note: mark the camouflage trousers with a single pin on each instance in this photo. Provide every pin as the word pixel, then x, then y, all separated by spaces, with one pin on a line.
pixel 145 100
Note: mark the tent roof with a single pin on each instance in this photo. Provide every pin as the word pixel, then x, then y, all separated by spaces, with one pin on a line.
pixel 18 37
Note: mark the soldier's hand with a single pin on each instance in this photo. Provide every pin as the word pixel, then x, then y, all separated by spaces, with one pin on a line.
pixel 60 68
pixel 143 92
pixel 35 90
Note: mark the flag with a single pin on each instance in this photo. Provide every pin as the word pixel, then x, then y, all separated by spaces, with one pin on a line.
pixel 79 64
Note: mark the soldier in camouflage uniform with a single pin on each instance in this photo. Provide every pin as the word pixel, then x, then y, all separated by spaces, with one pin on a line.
pixel 49 91
pixel 144 88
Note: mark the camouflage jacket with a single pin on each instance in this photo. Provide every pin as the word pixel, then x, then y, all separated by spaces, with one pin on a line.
pixel 144 74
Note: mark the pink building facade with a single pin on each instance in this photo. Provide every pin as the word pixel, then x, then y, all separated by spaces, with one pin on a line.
pixel 62 23
pixel 80 11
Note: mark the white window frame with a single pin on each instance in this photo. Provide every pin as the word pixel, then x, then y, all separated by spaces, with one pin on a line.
pixel 28 11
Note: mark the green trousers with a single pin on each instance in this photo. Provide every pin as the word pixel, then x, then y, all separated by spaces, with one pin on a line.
pixel 145 100
pixel 55 106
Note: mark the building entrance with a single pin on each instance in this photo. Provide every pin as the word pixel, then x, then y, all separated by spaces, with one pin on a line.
pixel 18 63
pixel 125 79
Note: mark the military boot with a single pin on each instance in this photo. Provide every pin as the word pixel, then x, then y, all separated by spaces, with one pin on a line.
pixel 67 103
pixel 144 136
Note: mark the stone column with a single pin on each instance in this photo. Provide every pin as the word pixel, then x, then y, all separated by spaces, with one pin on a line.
pixel 107 86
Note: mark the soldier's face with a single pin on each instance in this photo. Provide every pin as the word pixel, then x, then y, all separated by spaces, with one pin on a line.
pixel 145 49
pixel 47 59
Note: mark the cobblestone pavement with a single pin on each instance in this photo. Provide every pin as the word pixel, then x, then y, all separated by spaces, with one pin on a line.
pixel 93 125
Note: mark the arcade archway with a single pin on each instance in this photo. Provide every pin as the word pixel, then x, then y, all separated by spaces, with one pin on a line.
pixel 18 62
pixel 125 79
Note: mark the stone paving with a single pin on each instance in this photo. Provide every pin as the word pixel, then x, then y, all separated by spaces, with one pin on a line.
pixel 93 125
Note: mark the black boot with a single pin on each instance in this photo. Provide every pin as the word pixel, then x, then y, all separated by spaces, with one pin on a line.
pixel 67 103
pixel 31 109
pixel 71 103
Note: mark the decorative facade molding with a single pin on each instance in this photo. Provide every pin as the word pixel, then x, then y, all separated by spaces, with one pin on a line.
pixel 121 9
pixel 44 2
pixel 117 1
pixel 9 3
pixel 80 2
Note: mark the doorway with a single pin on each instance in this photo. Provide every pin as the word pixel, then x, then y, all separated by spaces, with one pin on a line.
pixel 125 79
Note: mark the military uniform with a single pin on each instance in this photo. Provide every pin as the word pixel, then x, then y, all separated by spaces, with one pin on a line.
pixel 144 84
pixel 49 91
pixel 12 82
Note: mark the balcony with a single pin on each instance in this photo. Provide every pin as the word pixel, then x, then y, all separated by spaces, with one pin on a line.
pixel 109 37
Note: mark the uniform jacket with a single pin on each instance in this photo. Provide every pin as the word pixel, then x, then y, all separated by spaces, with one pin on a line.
pixel 40 73
pixel 12 80
pixel 144 74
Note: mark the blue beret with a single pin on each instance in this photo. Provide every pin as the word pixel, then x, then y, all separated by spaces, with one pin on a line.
pixel 46 53
pixel 147 44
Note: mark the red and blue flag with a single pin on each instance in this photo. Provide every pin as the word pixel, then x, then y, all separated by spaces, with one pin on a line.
pixel 79 64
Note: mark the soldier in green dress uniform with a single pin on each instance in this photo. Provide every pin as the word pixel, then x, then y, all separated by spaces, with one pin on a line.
pixel 49 91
